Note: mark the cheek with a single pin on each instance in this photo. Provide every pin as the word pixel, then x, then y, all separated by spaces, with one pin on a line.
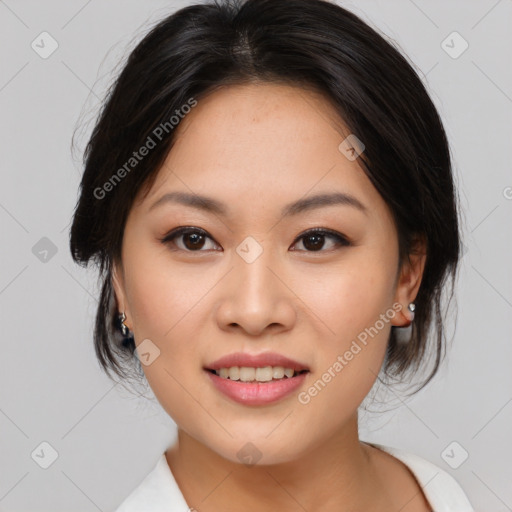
pixel 354 304
pixel 161 296
pixel 350 297
pixel 169 306
pixel 163 301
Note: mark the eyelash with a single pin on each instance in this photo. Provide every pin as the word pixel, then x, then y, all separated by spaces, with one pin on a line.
pixel 340 239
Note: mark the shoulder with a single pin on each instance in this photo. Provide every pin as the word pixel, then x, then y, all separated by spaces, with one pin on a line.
pixel 443 492
pixel 156 492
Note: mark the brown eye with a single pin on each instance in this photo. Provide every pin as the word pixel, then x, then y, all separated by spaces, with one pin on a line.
pixel 315 240
pixel 188 239
pixel 193 241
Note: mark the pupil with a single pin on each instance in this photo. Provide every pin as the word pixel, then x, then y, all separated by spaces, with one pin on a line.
pixel 317 243
pixel 197 240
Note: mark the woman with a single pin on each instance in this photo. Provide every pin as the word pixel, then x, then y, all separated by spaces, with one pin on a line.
pixel 269 197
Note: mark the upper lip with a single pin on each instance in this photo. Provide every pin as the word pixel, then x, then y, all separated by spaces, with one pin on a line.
pixel 256 361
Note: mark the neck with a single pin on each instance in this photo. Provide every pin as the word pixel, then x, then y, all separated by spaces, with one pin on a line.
pixel 336 475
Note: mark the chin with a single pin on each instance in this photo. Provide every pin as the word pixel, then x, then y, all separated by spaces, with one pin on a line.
pixel 259 450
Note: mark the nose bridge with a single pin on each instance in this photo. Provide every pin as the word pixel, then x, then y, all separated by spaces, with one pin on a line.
pixel 255 268
pixel 257 298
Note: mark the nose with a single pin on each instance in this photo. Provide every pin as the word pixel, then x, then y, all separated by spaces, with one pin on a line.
pixel 256 297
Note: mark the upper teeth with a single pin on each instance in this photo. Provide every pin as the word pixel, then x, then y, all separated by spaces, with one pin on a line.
pixel 248 374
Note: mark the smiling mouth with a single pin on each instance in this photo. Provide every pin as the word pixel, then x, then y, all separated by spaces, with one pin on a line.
pixel 263 374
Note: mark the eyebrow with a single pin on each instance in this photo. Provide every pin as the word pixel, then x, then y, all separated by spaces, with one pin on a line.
pixel 209 204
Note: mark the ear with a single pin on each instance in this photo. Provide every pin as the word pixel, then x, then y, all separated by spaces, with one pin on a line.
pixel 119 290
pixel 409 280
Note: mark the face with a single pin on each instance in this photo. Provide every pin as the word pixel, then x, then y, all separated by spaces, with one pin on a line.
pixel 253 276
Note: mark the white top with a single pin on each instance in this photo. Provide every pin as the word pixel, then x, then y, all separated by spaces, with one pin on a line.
pixel 159 492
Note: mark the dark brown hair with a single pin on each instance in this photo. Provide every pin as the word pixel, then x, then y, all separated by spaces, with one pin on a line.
pixel 305 43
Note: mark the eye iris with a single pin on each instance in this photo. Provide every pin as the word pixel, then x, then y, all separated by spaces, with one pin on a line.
pixel 197 240
pixel 318 242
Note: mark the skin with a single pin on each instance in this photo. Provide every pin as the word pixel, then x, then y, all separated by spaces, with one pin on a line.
pixel 256 148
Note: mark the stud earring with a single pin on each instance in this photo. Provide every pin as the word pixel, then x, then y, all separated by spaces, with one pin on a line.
pixel 403 335
pixel 124 328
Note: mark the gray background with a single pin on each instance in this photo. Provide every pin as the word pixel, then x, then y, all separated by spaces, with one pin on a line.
pixel 107 439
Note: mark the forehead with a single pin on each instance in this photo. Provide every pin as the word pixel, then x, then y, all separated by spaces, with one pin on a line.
pixel 260 144
pixel 268 112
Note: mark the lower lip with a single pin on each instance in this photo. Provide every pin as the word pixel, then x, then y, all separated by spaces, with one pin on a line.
pixel 257 393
